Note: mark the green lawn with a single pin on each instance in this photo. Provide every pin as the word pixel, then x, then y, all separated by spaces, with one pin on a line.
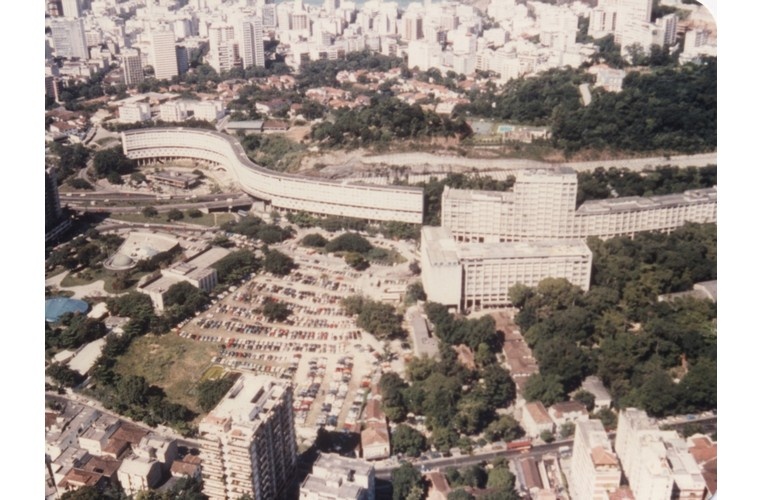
pixel 173 363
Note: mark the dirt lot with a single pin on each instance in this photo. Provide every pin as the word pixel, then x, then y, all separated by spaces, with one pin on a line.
pixel 170 362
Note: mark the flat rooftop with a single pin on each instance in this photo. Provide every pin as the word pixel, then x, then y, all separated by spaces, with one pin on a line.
pixel 524 249
pixel 630 203
pixel 477 195
pixel 250 395
pixel 440 246
pixel 340 464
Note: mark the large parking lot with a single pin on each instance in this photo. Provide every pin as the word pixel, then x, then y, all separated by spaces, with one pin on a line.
pixel 321 350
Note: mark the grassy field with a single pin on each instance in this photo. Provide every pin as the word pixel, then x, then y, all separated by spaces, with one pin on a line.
pixel 211 220
pixel 173 363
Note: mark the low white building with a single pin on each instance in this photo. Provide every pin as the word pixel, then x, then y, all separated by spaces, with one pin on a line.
pixel 136 474
pixel 134 112
pixel 335 477
pixel 535 419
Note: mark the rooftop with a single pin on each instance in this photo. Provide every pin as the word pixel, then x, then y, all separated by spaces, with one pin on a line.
pixel 247 402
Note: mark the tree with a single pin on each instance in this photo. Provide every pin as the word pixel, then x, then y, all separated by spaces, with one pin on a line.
pixel 278 263
pixel 113 160
pixel 505 428
pixel 194 213
pixel 546 389
pixel 586 398
pixel 275 312
pixel 547 436
pixel 349 242
pixel 356 261
pixel 132 390
pixel 64 375
pixel 314 240
pixel 567 430
pixel 404 479
pixel 150 211
pixel 174 214
pixel 407 440
pixel 460 494
pixel 236 266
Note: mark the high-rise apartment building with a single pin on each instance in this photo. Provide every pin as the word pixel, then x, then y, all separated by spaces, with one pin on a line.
pixel 132 67
pixel 657 463
pixel 223 47
pixel 69 38
pixel 595 469
pixel 164 55
pixel 248 441
pixel 251 45
pixel 72 8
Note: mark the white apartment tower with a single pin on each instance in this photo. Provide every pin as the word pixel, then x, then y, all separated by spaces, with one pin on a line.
pixel 132 67
pixel 72 8
pixel 223 48
pixel 252 47
pixel 595 469
pixel 248 441
pixel 164 54
pixel 69 38
pixel 657 463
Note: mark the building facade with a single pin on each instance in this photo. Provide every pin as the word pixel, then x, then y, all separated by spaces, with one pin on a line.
pixel 657 463
pixel 248 441
pixel 281 190
pixel 69 38
pixel 132 67
pixel 595 469
pixel 335 477
pixel 467 275
pixel 164 55
pixel 542 206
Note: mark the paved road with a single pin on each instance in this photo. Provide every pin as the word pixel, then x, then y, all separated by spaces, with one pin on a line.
pixel 384 471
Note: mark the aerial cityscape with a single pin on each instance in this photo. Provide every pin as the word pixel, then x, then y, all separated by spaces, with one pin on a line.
pixel 360 250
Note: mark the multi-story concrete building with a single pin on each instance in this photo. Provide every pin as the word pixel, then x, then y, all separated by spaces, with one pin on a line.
pixel 542 206
pixel 132 67
pixel 223 47
pixel 251 45
pixel 595 469
pixel 69 38
pixel 473 276
pixel 196 270
pixel 248 441
pixel 72 8
pixel 282 191
pixel 339 478
pixel 657 464
pixel 134 112
pixel 164 55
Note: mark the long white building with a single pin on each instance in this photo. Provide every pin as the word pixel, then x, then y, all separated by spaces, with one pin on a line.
pixel 467 275
pixel 542 206
pixel 282 191
pixel 657 463
pixel 248 441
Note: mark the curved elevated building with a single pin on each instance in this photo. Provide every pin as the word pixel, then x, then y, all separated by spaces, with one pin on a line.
pixel 282 191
